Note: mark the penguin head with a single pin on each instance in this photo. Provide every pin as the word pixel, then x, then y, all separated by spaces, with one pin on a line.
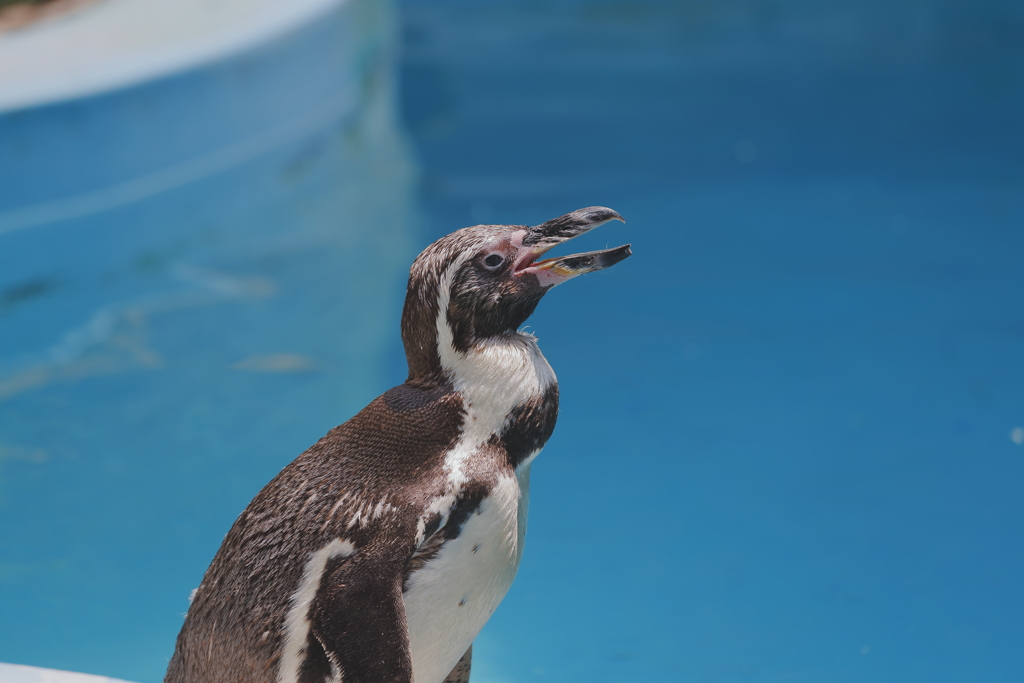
pixel 478 285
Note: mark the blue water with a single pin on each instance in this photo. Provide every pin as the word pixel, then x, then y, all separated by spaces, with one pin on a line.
pixel 785 451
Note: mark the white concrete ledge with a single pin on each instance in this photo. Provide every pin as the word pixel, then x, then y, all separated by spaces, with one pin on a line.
pixel 19 673
pixel 116 43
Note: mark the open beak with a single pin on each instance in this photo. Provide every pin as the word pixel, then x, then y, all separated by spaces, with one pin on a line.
pixel 554 271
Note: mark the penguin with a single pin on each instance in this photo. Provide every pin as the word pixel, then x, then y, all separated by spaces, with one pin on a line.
pixel 378 554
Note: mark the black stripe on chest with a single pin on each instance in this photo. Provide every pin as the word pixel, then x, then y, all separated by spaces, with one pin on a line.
pixel 468 503
pixel 529 426
pixel 527 429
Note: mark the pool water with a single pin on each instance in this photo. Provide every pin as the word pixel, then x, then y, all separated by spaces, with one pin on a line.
pixel 791 440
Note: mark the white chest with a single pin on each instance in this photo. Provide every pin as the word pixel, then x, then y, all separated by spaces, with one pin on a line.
pixel 494 379
pixel 450 599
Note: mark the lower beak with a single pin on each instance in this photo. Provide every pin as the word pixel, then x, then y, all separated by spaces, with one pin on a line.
pixel 555 271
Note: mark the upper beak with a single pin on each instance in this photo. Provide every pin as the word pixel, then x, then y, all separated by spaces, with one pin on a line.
pixel 541 238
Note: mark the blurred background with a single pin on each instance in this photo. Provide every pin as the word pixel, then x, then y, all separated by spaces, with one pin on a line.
pixel 791 441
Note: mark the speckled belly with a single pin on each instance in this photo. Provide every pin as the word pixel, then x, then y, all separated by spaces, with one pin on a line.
pixel 449 599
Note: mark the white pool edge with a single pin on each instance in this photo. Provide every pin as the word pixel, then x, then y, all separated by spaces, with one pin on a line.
pixel 21 673
pixel 118 43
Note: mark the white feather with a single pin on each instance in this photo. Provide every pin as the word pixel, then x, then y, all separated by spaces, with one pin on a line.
pixel 296 624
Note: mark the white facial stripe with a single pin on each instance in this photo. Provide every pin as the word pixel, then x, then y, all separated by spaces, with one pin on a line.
pixel 445 339
pixel 296 624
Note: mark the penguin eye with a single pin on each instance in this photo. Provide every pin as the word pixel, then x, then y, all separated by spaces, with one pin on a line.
pixel 493 261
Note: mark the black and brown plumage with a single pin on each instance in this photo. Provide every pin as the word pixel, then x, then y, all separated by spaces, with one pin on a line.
pixel 379 553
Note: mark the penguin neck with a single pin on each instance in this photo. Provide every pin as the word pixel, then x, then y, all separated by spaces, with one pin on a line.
pixel 493 375
pixel 494 378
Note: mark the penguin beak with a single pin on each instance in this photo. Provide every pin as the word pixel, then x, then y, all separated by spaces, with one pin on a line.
pixel 554 271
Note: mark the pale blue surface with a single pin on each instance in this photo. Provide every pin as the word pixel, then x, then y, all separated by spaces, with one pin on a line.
pixel 784 451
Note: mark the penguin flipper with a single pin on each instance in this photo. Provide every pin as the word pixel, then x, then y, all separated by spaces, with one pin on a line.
pixel 460 674
pixel 358 616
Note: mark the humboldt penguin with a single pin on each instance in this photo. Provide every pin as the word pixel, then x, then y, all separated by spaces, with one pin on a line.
pixel 378 554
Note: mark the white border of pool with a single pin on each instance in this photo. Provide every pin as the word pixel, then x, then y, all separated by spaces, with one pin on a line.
pixel 116 43
pixel 17 673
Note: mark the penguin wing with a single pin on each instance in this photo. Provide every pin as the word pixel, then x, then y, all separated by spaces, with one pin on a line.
pixel 358 615
pixel 308 582
pixel 382 467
